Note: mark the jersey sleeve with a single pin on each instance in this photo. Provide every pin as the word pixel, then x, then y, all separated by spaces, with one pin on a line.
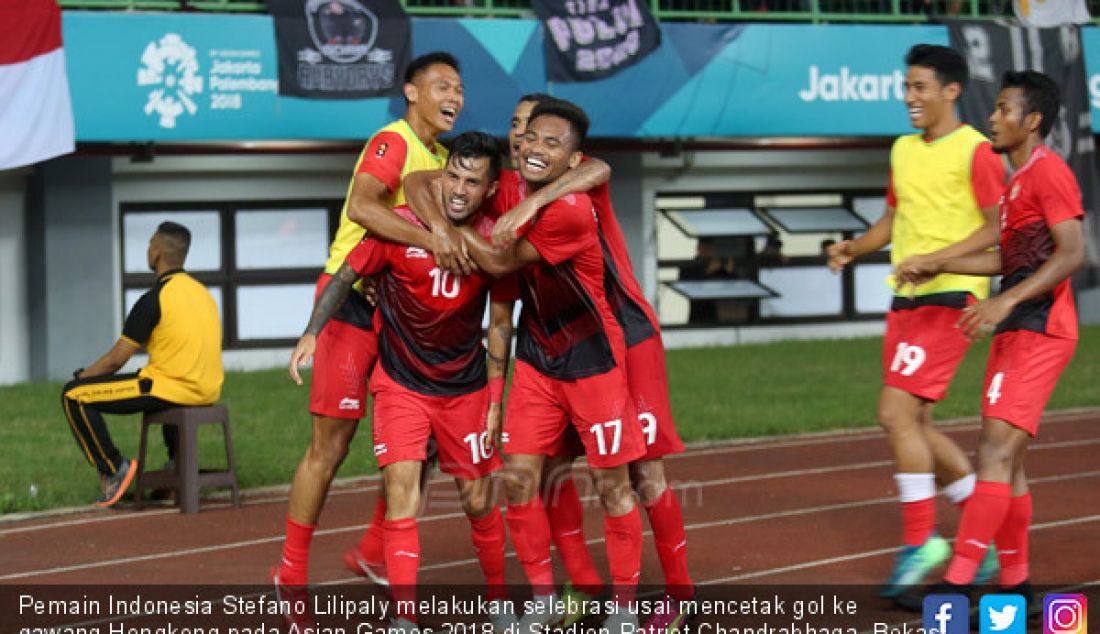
pixel 143 317
pixel 564 228
pixel 891 197
pixel 506 289
pixel 1059 196
pixel 368 257
pixel 506 196
pixel 384 159
pixel 987 175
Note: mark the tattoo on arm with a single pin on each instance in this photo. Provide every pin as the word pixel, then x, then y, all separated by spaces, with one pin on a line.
pixel 500 349
pixel 336 291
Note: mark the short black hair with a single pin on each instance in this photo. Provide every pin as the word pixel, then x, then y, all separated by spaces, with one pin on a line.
pixel 535 98
pixel 567 110
pixel 1041 93
pixel 948 64
pixel 469 145
pixel 176 239
pixel 422 63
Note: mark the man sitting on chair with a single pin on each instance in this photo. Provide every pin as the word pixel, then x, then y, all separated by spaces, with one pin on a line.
pixel 177 322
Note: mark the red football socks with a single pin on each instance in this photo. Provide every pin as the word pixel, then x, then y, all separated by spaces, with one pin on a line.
pixel 530 531
pixel 402 560
pixel 487 533
pixel 371 545
pixel 294 570
pixel 624 553
pixel 918 520
pixel 566 515
pixel 985 512
pixel 1012 542
pixel 667 520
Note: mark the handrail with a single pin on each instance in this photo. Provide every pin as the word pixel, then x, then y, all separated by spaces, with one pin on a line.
pixel 815 11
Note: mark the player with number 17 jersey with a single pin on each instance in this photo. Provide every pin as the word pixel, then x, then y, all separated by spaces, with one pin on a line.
pixel 431 375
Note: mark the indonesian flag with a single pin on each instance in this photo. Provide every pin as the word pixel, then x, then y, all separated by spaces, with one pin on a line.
pixel 36 113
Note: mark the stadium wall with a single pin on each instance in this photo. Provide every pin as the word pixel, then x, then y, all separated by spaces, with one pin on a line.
pixel 14 333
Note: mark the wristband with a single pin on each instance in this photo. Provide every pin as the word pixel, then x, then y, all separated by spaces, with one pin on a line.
pixel 496 389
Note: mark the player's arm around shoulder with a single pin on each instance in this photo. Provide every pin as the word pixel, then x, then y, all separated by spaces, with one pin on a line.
pixel 423 193
pixel 591 173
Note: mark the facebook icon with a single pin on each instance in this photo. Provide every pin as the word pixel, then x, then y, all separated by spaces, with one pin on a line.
pixel 946 614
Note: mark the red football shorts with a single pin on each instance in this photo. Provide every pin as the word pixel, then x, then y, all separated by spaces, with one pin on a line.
pixel 342 364
pixel 1022 370
pixel 404 419
pixel 922 349
pixel 648 380
pixel 540 409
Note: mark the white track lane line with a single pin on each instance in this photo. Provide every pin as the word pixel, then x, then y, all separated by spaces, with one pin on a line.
pixel 737 446
pixel 456 563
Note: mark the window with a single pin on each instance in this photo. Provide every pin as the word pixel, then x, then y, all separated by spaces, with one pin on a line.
pixel 759 258
pixel 259 259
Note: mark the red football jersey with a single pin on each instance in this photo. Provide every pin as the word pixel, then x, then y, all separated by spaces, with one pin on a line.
pixel 430 339
pixel 567 328
pixel 1041 194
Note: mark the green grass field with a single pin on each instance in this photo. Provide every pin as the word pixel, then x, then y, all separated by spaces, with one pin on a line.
pixel 716 393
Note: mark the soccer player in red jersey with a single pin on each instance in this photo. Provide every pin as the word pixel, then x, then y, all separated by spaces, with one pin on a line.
pixel 645 369
pixel 941 202
pixel 347 347
pixel 432 377
pixel 570 354
pixel 1033 320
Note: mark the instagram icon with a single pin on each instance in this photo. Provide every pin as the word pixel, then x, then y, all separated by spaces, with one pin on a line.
pixel 1065 614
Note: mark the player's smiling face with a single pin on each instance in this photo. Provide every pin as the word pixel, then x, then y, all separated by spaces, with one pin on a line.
pixel 549 148
pixel 1010 125
pixel 467 182
pixel 519 125
pixel 926 99
pixel 438 96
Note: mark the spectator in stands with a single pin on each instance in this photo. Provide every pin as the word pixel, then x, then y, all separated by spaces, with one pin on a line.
pixel 177 322
pixel 772 255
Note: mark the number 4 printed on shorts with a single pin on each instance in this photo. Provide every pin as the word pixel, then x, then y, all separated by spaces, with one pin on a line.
pixel 994 392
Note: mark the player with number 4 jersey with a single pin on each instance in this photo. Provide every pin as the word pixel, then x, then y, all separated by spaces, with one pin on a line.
pixel 1033 321
pixel 941 202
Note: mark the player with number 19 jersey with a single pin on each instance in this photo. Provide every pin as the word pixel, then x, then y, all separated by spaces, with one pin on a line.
pixel 431 375
pixel 937 189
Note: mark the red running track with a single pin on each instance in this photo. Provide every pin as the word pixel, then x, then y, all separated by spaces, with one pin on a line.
pixel 816 509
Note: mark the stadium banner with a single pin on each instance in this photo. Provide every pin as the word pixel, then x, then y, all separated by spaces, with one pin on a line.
pixel 587 41
pixel 36 116
pixel 340 49
pixel 991 49
pixel 209 77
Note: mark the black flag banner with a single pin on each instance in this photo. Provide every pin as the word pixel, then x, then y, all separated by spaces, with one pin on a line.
pixel 341 49
pixel 593 39
pixel 993 48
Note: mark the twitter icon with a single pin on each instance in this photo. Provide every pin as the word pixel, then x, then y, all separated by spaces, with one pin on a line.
pixel 1002 614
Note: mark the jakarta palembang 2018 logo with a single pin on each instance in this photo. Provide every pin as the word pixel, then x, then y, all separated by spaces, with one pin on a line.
pixel 171 68
pixel 342 30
